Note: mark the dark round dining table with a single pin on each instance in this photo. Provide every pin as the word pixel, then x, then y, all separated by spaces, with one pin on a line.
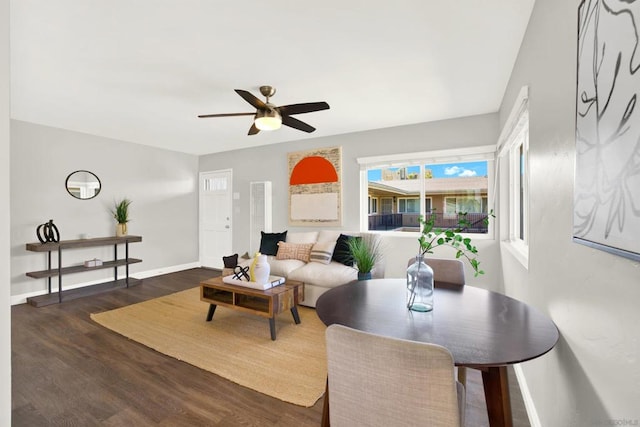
pixel 482 329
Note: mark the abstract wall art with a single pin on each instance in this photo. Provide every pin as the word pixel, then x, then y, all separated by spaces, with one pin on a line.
pixel 607 169
pixel 315 187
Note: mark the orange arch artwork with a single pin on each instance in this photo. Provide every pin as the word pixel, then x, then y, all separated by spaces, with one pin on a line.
pixel 315 187
pixel 313 170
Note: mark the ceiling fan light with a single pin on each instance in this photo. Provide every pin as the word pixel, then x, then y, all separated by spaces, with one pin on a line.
pixel 268 120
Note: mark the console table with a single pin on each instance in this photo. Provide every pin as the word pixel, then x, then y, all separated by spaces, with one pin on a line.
pixel 52 298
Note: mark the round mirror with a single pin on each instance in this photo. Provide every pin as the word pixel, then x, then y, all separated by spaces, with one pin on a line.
pixel 83 184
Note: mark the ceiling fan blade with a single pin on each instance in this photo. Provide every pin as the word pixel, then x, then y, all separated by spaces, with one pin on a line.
pixel 253 129
pixel 247 96
pixel 202 116
pixel 297 124
pixel 307 107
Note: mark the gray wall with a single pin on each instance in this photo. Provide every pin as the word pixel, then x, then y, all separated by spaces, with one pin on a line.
pixel 162 185
pixel 5 312
pixel 593 375
pixel 269 163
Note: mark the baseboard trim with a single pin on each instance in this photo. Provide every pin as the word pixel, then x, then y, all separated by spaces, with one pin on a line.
pixel 22 298
pixel 166 270
pixel 532 413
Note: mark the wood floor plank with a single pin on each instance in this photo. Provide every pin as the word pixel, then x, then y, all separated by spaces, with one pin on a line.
pixel 68 370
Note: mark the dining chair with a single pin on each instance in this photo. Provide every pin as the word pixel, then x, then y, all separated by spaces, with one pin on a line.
pixel 445 270
pixel 381 381
pixel 450 271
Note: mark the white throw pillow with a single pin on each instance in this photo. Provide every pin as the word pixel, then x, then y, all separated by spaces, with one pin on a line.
pixel 328 235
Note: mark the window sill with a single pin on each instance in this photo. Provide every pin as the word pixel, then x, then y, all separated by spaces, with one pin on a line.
pixel 519 250
pixel 416 234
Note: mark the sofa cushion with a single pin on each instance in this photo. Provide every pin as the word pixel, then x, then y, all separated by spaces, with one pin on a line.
pixel 306 237
pixel 322 252
pixel 300 251
pixel 342 253
pixel 230 261
pixel 283 267
pixel 327 276
pixel 269 242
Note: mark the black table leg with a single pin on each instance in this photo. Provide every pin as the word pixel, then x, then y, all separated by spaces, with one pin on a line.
pixel 212 309
pixel 272 327
pixel 296 316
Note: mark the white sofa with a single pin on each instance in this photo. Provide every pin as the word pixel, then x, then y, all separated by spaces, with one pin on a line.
pixel 317 277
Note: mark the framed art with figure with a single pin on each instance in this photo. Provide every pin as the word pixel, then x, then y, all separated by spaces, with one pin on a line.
pixel 607 170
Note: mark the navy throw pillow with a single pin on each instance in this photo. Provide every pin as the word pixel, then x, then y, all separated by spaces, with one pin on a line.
pixel 230 261
pixel 341 253
pixel 269 242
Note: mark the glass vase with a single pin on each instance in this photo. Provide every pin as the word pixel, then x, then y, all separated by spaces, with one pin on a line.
pixel 419 286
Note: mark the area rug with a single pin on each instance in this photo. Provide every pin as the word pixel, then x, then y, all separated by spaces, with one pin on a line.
pixel 234 345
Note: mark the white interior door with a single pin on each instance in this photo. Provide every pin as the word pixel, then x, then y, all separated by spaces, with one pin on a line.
pixel 215 217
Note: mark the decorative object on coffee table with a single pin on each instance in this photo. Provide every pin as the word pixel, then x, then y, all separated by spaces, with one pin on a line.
pixel 121 215
pixel 259 271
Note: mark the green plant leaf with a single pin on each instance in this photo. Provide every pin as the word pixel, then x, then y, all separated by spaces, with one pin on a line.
pixel 432 237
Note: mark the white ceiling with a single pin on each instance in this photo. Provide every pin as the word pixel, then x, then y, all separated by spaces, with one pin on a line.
pixel 142 70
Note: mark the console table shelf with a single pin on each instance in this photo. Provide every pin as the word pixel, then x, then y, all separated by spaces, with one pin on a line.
pixel 59 271
pixel 85 291
pixel 80 268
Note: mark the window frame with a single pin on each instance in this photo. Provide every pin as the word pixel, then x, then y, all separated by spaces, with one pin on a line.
pixel 513 155
pixel 381 205
pixel 373 205
pixel 430 207
pixel 405 199
pixel 457 155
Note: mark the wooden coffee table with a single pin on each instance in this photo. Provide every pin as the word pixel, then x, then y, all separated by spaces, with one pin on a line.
pixel 266 303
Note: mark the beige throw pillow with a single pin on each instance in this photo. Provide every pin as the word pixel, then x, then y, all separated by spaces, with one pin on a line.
pixel 299 251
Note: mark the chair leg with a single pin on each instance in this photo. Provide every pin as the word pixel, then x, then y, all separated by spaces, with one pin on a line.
pixel 462 375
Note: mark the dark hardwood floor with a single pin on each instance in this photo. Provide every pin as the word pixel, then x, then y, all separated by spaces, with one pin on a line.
pixel 68 370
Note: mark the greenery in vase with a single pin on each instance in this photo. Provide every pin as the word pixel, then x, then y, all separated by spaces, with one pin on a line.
pixel 432 237
pixel 365 251
pixel 121 211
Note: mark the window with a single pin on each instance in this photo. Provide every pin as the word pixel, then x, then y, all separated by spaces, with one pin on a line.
pixel 518 188
pixel 409 205
pixel 455 205
pixel 445 183
pixel 387 205
pixel 373 205
pixel 513 156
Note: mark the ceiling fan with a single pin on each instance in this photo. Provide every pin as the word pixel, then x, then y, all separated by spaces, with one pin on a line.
pixel 270 117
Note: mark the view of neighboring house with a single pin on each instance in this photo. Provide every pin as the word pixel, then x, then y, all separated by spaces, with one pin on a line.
pixel 394 200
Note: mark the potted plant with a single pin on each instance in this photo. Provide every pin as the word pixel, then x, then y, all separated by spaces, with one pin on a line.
pixel 121 215
pixel 365 251
pixel 420 274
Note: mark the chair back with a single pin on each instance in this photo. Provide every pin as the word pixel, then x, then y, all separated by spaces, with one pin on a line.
pixel 381 381
pixel 445 270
